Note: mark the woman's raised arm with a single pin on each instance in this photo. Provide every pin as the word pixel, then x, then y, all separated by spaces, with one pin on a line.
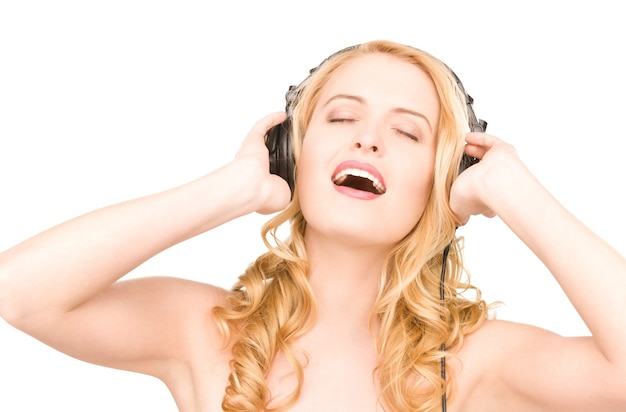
pixel 59 285
pixel 531 368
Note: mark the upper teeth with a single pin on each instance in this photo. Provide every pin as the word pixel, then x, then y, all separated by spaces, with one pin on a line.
pixel 341 176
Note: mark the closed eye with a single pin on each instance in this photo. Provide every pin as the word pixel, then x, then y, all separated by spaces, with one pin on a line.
pixel 407 134
pixel 341 120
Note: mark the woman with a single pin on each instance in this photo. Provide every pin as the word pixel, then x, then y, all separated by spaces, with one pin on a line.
pixel 346 313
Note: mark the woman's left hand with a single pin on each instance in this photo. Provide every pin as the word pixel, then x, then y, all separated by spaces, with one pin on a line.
pixel 471 192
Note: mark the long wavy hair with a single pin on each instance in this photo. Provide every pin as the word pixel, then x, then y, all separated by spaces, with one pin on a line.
pixel 272 303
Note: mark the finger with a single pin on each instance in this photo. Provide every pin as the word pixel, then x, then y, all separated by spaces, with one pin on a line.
pixel 477 144
pixel 262 126
pixel 481 139
pixel 475 151
pixel 259 130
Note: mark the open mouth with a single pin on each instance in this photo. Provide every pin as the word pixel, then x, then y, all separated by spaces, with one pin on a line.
pixel 360 180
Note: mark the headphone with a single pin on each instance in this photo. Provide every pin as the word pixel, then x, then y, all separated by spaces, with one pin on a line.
pixel 278 138
pixel 282 160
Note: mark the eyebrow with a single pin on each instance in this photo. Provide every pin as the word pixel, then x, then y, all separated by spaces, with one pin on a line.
pixel 361 100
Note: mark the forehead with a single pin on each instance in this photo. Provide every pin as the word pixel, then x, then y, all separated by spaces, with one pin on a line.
pixel 383 79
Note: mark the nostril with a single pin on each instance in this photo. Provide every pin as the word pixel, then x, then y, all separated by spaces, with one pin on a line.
pixel 372 147
pixel 358 145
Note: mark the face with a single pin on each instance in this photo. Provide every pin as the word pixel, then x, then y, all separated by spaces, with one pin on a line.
pixel 367 163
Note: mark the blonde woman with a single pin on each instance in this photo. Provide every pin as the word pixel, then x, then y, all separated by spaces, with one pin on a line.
pixel 346 314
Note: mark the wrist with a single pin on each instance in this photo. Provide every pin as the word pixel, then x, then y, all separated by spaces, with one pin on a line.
pixel 507 184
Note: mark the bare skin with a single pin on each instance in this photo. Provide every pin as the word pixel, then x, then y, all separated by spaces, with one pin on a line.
pixel 163 326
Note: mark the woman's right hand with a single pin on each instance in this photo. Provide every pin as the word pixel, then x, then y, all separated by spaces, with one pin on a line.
pixel 271 192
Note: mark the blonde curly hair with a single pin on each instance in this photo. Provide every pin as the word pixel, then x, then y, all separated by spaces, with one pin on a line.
pixel 272 303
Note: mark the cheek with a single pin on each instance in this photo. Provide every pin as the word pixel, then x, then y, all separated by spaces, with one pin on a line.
pixel 422 194
pixel 310 170
pixel 315 156
pixel 423 186
pixel 418 190
pixel 305 165
pixel 414 203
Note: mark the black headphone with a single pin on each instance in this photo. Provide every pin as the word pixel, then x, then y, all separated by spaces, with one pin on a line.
pixel 278 138
pixel 282 162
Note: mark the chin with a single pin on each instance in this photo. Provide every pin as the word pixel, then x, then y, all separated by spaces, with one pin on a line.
pixel 358 229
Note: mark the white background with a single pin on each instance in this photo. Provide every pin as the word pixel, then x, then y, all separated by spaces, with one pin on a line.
pixel 105 101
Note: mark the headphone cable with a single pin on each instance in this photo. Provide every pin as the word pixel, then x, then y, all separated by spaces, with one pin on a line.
pixel 442 296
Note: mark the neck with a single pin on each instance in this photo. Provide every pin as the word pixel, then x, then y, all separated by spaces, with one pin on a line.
pixel 345 278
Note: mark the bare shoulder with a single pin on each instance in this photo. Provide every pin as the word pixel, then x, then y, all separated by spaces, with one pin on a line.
pixel 496 342
pixel 180 300
pixel 147 325
pixel 478 363
pixel 494 332
pixel 182 309
pixel 170 333
pixel 512 366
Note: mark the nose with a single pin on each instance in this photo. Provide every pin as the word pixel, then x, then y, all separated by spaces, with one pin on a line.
pixel 368 139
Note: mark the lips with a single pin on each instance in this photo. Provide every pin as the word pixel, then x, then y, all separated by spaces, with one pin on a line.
pixel 359 176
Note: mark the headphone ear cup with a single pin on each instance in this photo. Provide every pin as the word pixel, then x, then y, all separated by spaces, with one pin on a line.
pixel 282 161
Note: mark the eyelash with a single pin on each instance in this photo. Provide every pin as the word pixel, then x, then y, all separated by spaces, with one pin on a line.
pixel 399 131
pixel 341 120
pixel 409 135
